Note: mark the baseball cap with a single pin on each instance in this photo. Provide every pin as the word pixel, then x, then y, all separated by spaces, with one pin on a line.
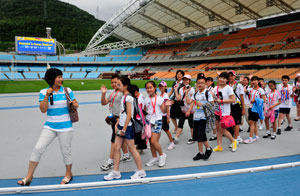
pixel 163 83
pixel 187 76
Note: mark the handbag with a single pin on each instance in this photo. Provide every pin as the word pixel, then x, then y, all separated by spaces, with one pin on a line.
pixel 147 132
pixel 72 110
pixel 225 121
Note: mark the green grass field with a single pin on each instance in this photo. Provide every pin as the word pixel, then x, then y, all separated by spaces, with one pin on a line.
pixel 75 85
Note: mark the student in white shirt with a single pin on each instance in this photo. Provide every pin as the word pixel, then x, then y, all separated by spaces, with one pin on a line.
pixel 287 94
pixel 296 90
pixel 199 135
pixel 210 85
pixel 166 116
pixel 155 107
pixel 246 99
pixel 186 112
pixel 255 92
pixel 125 131
pixel 273 99
pixel 224 96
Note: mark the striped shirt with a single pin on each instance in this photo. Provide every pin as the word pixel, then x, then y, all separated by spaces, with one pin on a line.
pixel 58 117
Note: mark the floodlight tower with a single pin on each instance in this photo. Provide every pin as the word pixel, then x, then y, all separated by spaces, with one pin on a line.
pixel 59 45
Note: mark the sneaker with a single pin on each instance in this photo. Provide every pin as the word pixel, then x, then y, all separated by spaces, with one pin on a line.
pixel 107 166
pixel 237 143
pixel 241 130
pixel 162 160
pixel 190 141
pixel 283 121
pixel 198 156
pixel 249 140
pixel 267 135
pixel 113 175
pixel 138 175
pixel 176 141
pixel 234 146
pixel 218 149
pixel 288 128
pixel 260 127
pixel 171 146
pixel 213 138
pixel 207 153
pixel 153 161
pixel 273 137
pixel 256 138
pixel 239 140
pixel 278 131
pixel 125 158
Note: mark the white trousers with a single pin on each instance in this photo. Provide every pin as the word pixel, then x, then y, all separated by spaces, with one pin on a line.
pixel 46 137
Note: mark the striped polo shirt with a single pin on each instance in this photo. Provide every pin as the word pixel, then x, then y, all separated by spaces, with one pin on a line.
pixel 58 118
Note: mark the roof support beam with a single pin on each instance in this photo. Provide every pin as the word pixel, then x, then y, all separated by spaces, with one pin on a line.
pixel 247 11
pixel 283 6
pixel 121 37
pixel 129 26
pixel 158 24
pixel 199 7
pixel 178 16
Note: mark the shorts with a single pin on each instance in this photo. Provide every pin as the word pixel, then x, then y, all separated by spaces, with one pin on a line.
pixel 276 113
pixel 236 113
pixel 183 118
pixel 285 110
pixel 129 134
pixel 175 110
pixel 217 117
pixel 253 115
pixel 199 134
pixel 157 127
pixel 165 124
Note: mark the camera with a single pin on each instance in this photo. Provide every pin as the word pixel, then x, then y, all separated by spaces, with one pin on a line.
pixel 111 119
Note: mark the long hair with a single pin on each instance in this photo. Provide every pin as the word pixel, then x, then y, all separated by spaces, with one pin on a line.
pixel 211 79
pixel 126 82
pixel 179 71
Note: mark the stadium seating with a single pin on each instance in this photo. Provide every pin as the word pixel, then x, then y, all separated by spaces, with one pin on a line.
pixel 42 75
pixel 86 59
pixel 116 52
pixel 246 72
pixel 226 64
pixel 60 67
pixel 130 68
pixel 4 68
pixel 284 28
pixel 134 58
pixel 105 68
pixel 240 34
pixel 68 58
pixel 290 61
pixel 73 68
pixel 292 45
pixel 20 67
pixel 93 75
pixel 14 75
pixel 38 68
pixel 103 58
pixel 120 68
pixel 89 68
pixel 263 72
pixel 273 38
pixel 267 62
pixel 66 75
pixel 120 58
pixel 79 75
pixel 47 58
pixel 29 75
pixel 278 73
pixel 241 63
pixel 132 51
pixel 24 58
pixel 2 76
pixel 6 57
pixel 231 43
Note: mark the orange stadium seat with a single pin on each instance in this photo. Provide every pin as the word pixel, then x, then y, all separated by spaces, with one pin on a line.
pixel 227 64
pixel 241 63
pixel 267 62
pixel 259 32
pixel 272 38
pixel 263 72
pixel 284 28
pixel 292 45
pixel 291 61
pixel 246 72
pixel 201 66
pixel 278 73
pixel 241 34
pixel 253 40
pixel 231 43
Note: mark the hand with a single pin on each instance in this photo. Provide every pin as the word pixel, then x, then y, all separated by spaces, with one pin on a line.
pixel 218 100
pixel 103 89
pixel 294 89
pixel 243 112
pixel 168 120
pixel 188 113
pixel 271 108
pixel 122 132
pixel 198 103
pixel 116 128
pixel 49 91
pixel 253 100
pixel 169 102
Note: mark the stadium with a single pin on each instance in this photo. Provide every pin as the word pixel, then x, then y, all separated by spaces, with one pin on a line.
pixel 157 38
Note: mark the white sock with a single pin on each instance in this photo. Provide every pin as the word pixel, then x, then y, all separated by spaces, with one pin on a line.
pixel 126 155
pixel 176 138
pixel 290 125
pixel 110 160
pixel 268 132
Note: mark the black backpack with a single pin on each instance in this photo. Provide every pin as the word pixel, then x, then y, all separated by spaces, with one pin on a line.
pixel 206 95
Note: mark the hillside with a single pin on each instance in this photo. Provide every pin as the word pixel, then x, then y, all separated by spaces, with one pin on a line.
pixel 70 25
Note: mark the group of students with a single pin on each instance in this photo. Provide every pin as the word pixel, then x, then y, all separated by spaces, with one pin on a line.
pixel 207 107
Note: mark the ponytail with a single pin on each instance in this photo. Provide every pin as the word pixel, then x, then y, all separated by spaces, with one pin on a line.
pixel 130 88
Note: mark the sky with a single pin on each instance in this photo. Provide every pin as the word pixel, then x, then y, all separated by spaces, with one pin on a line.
pixel 107 8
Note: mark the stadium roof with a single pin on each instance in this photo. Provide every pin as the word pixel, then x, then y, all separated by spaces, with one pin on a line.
pixel 144 22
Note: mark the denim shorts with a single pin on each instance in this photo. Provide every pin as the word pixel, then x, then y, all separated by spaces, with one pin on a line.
pixel 276 114
pixel 157 127
pixel 129 134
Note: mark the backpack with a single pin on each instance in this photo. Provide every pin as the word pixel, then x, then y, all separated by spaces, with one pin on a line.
pixel 206 95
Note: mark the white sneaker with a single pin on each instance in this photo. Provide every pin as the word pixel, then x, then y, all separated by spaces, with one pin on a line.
pixel 153 161
pixel 176 141
pixel 260 127
pixel 138 175
pixel 162 160
pixel 256 138
pixel 113 175
pixel 249 140
pixel 239 140
pixel 125 158
pixel 171 146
